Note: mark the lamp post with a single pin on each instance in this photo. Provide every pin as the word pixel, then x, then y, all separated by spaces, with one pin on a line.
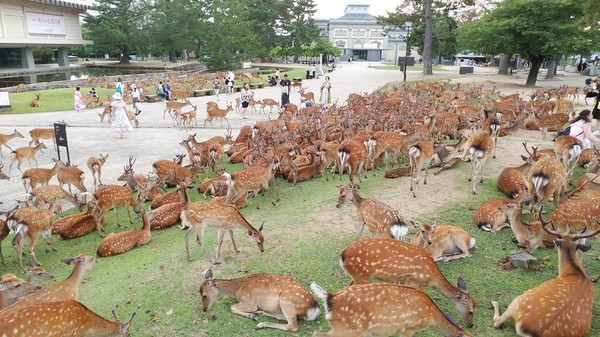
pixel 407 24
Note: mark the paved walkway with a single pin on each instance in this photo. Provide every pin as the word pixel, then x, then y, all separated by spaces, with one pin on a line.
pixel 157 138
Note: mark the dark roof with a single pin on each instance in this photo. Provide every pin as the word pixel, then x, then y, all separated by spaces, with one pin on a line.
pixel 64 4
pixel 356 17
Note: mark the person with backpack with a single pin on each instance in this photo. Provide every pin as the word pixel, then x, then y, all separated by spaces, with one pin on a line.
pixel 581 128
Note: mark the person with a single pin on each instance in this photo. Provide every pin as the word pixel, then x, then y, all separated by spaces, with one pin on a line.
pixel 246 96
pixel 285 90
pixel 596 110
pixel 277 74
pixel 118 116
pixel 167 90
pixel 304 104
pixel 271 81
pixel 321 73
pixel 307 71
pixel 135 97
pixel 313 70
pixel 92 93
pixel 217 87
pixel 119 86
pixel 230 85
pixel 582 130
pixel 160 91
pixel 79 105
pixel 326 92
pixel 227 87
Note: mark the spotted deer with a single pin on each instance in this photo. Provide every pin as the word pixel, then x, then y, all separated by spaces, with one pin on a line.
pixel 278 296
pixel 30 226
pixel 308 95
pixel 390 260
pixel 109 197
pixel 443 243
pixel 169 214
pixel 553 121
pixel 95 166
pixel 119 243
pixel 63 318
pixel 40 176
pixel 13 288
pixel 218 113
pixel 251 179
pixel 174 105
pixel 71 175
pixel 4 231
pixel 23 153
pixel 567 149
pixel 64 290
pixel 201 215
pixel 52 194
pixel 547 179
pixel 561 306
pixel 5 138
pixel 511 180
pixel 382 309
pixel 42 133
pixel 525 233
pixel 482 146
pixel 36 273
pixel 381 219
pixel 135 181
pixel 420 155
pixel 169 172
pixel 74 226
pixel 352 154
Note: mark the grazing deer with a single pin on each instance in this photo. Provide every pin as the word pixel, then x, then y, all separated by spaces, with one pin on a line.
pixel 547 178
pixel 30 226
pixel 169 214
pixel 74 226
pixel 390 260
pixel 119 243
pixel 278 296
pixel 36 102
pixel 41 176
pixel 218 113
pixel 71 175
pixel 42 133
pixel 511 180
pixel 23 153
pixel 200 215
pixel 95 166
pixel 52 194
pixel 380 218
pixel 109 197
pixel 64 318
pixel 420 155
pixel 5 138
pixel 13 288
pixel 443 243
pixel 482 145
pixel 561 306
pixel 382 309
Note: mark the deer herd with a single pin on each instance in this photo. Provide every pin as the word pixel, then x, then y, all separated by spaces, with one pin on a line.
pixel 410 127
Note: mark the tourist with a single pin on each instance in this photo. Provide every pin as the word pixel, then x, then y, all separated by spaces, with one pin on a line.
pixel 313 70
pixel 167 90
pixel 326 93
pixel 582 130
pixel 135 97
pixel 79 105
pixel 307 71
pixel 119 86
pixel 92 93
pixel 285 90
pixel 277 74
pixel 245 97
pixel 271 80
pixel 217 87
pixel 160 91
pixel 118 116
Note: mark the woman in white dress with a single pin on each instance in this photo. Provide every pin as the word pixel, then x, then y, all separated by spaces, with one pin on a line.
pixel 119 120
pixel 326 93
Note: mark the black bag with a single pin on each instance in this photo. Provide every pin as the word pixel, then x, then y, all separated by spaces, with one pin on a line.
pixel 564 132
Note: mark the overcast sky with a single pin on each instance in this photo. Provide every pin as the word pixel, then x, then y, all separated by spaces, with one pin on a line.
pixel 333 9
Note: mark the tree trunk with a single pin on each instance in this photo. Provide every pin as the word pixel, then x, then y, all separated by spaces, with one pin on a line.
pixel 536 62
pixel 428 39
pixel 124 56
pixel 552 65
pixel 172 56
pixel 503 66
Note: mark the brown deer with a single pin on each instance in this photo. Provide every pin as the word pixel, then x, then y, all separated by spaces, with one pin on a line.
pixel 109 197
pixel 489 218
pixel 35 273
pixel 218 113
pixel 268 102
pixel 380 218
pixel 74 226
pixel 71 175
pixel 308 95
pixel 13 288
pixel 511 180
pixel 170 213
pixel 119 243
pixel 200 215
pixel 5 138
pixel 36 102
pixel 526 234
pixel 40 176
pixel 174 105
pixel 420 155
pixel 64 318
pixel 443 243
pixel 42 133
pixel 561 306
pixel 30 226
pixel 251 179
pixel 382 309
pixel 390 260
pixel 186 117
pixel 550 122
pixel 352 154
pixel 547 178
pixel 567 149
pixel 135 181
pixel 328 153
pixel 482 146
pixel 278 296
pixel 23 153
pixel 95 166
pixel 52 194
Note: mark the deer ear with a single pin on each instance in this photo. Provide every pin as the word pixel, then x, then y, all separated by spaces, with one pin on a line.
pixel 433 224
pixel 583 247
pixel 68 261
pixel 260 229
pixel 462 285
pixel 524 158
pixel 208 275
pixel 415 223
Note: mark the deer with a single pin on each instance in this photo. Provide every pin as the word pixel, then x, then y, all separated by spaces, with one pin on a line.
pixel 36 273
pixel 42 133
pixel 94 164
pixel 36 102
pixel 52 194
pixel 482 145
pixel 390 260
pixel 218 113
pixel 109 197
pixel 561 306
pixel 511 180
pixel 268 102
pixel 567 149
pixel 443 243
pixel 201 214
pixel 382 309
pixel 30 226
pixel 63 318
pixel 41 176
pixel 328 154
pixel 64 290
pixel 170 173
pixel 71 175
pixel 169 214
pixel 187 117
pixel 526 234
pixel 5 138
pixel 119 243
pixel 380 218
pixel 420 155
pixel 553 121
pixel 353 154
pixel 13 288
pixel 135 181
pixel 308 95
pixel 250 179
pixel 278 296
pixel 23 153
pixel 174 105
pixel 547 178
pixel 74 226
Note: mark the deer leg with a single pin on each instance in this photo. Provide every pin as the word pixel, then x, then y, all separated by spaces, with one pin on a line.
pixel 233 241
pixel 100 177
pixel 32 242
pixel 247 310
pixel 500 320
pixel 18 242
pixel 287 313
pixel 187 237
pixel 220 236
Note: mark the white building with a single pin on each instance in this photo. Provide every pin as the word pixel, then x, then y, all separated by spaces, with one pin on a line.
pixel 25 24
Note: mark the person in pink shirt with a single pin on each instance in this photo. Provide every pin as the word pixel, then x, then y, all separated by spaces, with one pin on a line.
pixel 581 128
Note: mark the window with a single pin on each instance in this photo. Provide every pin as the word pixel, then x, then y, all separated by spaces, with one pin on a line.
pixel 376 33
pixel 340 44
pixel 340 33
pixel 359 33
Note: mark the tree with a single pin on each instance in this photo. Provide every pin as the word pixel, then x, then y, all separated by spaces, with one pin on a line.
pixel 172 25
pixel 299 26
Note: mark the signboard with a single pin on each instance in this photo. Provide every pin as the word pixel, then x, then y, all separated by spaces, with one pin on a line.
pixel 46 24
pixel 4 100
pixel 60 134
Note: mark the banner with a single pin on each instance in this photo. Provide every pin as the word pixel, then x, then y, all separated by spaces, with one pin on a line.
pixel 47 24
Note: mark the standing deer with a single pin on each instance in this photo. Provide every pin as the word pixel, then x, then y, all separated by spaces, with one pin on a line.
pixel 71 175
pixel 5 138
pixel 200 215
pixel 420 155
pixel 482 146
pixel 547 178
pixel 41 176
pixel 119 243
pixel 64 318
pixel 353 154
pixel 30 226
pixel 511 180
pixel 268 102
pixel 308 95
pixel 443 243
pixel 42 133
pixel 561 306
pixel 383 310
pixel 218 113
pixel 380 218
pixel 250 179
pixel 391 260
pixel 52 194
pixel 109 197
pixel 278 296
pixel 95 166
pixel 23 153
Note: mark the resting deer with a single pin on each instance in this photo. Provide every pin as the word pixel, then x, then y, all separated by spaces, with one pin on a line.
pixel 119 243
pixel 35 274
pixel 443 243
pixel 420 155
pixel 74 226
pixel 169 214
pixel 13 288
pixel 218 113
pixel 40 176
pixel 135 181
pixel 561 306
pixel 64 318
pixel 380 218
pixel 5 138
pixel 95 165
pixel 278 296
pixel 23 153
pixel 36 102
pixel 391 260
pixel 382 309
pixel 200 215
pixel 526 234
